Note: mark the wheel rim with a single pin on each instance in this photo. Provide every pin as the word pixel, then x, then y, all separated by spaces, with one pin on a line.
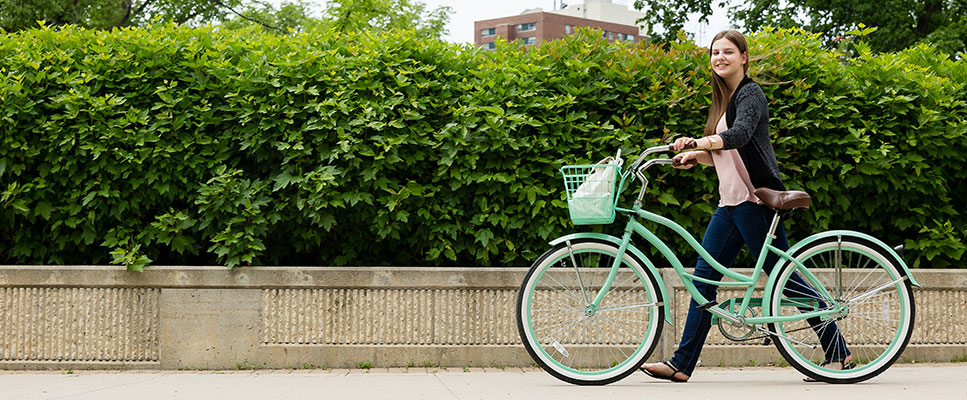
pixel 581 343
pixel 874 328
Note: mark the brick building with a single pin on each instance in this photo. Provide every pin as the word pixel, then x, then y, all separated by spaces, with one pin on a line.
pixel 536 27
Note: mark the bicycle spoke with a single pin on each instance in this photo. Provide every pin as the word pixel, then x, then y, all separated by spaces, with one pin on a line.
pixel 563 288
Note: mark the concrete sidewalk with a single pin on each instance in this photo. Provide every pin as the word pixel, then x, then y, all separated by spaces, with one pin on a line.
pixel 905 381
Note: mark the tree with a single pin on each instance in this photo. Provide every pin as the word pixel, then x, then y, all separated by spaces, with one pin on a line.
pixel 350 16
pixel 343 15
pixel 288 16
pixel 900 23
pixel 355 15
pixel 17 15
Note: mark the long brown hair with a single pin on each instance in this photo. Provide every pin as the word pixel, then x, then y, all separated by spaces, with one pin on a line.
pixel 720 91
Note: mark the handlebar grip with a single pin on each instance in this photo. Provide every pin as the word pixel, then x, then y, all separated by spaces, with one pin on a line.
pixel 692 162
pixel 691 145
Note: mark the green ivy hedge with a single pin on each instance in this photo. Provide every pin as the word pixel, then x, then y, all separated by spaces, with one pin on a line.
pixel 173 145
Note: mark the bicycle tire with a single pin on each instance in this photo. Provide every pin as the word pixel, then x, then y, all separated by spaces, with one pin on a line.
pixel 876 329
pixel 561 336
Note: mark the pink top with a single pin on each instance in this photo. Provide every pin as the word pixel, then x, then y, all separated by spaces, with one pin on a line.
pixel 735 187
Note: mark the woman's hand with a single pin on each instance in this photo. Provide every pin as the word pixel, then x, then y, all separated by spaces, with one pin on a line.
pixel 683 143
pixel 686 160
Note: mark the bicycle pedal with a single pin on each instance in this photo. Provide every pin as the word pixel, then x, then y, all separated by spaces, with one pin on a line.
pixel 767 341
pixel 707 306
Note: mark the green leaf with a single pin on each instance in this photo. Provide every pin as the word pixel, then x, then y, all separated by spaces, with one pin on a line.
pixel 484 236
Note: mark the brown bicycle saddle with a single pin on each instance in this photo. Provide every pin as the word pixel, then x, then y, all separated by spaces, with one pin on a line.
pixel 785 201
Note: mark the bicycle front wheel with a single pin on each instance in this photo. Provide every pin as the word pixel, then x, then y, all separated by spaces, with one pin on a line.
pixel 574 342
pixel 876 314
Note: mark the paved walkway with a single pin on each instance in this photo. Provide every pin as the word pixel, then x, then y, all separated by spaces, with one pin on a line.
pixel 905 381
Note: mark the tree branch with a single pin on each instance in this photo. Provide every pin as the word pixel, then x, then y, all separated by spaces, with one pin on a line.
pixel 219 2
pixel 127 17
pixel 127 12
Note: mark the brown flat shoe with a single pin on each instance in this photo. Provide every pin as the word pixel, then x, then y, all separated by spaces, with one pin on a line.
pixel 671 377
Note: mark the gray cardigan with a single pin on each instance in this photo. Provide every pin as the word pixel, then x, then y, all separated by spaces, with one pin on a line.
pixel 747 119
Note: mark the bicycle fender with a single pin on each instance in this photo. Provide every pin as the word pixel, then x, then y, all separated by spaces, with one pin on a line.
pixel 635 253
pixel 904 269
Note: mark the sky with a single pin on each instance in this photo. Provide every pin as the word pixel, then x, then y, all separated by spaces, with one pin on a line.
pixel 468 11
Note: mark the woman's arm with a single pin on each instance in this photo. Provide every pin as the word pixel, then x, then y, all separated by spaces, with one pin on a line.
pixel 713 142
pixel 751 105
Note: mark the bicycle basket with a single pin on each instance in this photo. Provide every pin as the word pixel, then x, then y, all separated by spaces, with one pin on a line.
pixel 590 192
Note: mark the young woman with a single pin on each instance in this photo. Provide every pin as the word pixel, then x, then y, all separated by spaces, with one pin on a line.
pixel 737 143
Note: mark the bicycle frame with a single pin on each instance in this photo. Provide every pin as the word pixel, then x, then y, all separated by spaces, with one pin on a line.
pixel 746 281
pixel 741 280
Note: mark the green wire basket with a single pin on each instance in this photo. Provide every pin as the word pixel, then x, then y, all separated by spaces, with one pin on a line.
pixel 590 192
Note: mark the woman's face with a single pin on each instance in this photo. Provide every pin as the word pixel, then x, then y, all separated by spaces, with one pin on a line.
pixel 726 59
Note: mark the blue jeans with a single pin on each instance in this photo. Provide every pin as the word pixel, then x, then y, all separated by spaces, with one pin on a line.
pixel 730 228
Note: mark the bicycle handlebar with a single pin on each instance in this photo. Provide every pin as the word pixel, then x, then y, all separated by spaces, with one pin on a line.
pixel 649 151
pixel 663 149
pixel 652 150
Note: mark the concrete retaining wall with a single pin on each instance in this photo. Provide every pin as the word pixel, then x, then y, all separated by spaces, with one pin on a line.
pixel 74 317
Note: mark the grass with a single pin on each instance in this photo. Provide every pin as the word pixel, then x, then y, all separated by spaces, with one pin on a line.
pixel 364 365
pixel 245 365
pixel 960 359
pixel 314 366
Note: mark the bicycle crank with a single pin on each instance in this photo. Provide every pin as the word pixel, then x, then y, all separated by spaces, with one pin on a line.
pixel 738 331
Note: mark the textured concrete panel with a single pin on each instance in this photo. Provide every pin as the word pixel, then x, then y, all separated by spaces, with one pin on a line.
pixel 475 317
pixel 78 324
pixel 388 317
pixel 941 317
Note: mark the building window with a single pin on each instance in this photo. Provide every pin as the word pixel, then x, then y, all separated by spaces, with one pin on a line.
pixel 488 32
pixel 527 27
pixel 610 35
pixel 490 46
pixel 568 29
pixel 531 40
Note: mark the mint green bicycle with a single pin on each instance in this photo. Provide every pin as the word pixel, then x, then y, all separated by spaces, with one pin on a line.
pixel 591 309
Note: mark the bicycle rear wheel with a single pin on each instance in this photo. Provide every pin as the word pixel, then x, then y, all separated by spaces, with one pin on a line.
pixel 871 331
pixel 582 346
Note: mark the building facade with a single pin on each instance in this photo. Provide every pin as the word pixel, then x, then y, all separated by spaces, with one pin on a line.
pixel 603 10
pixel 535 27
